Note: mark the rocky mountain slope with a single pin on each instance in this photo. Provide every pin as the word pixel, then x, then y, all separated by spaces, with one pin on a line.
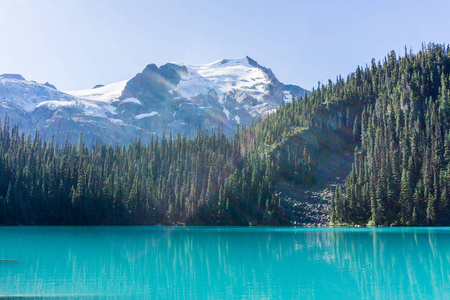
pixel 173 98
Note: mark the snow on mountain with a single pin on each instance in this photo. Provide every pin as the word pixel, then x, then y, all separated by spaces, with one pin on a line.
pixel 234 74
pixel 153 113
pixel 132 100
pixel 27 95
pixel 105 93
pixel 193 84
pixel 174 98
pixel 224 77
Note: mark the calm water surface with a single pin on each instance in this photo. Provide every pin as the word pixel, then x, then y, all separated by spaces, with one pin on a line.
pixel 219 262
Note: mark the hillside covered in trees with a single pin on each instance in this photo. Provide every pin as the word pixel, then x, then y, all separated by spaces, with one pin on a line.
pixel 394 117
pixel 208 179
pixel 401 173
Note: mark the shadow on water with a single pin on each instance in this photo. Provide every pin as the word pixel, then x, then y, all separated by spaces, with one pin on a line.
pixel 219 262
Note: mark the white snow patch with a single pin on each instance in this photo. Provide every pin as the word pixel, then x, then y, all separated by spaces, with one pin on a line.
pixel 105 93
pixel 27 95
pixel 174 115
pixel 132 100
pixel 287 96
pixel 223 76
pixel 205 107
pixel 52 105
pixel 260 105
pixel 111 109
pixel 153 113
pixel 33 95
pixel 233 74
pixel 88 107
pixel 3 104
pixel 238 120
pixel 226 112
pixel 193 84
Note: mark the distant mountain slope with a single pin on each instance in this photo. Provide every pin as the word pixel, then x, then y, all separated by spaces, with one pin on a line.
pixel 173 98
pixel 36 106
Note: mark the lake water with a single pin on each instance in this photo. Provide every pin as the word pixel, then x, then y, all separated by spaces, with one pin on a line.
pixel 223 262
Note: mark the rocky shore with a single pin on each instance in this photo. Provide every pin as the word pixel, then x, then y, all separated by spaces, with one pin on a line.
pixel 310 207
pixel 305 208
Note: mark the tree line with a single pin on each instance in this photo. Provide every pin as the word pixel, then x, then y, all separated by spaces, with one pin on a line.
pixel 207 179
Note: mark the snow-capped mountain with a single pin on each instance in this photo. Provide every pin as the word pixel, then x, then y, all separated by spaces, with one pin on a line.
pixel 173 98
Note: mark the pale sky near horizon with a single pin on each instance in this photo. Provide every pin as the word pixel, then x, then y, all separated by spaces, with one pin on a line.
pixel 80 43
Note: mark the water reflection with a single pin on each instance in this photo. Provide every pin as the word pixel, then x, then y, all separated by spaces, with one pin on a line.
pixel 198 262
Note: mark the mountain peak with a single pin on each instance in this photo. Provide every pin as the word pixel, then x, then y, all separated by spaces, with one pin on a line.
pixel 227 62
pixel 47 84
pixel 12 76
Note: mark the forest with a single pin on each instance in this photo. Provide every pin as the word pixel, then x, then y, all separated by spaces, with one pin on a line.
pixel 208 179
pixel 394 115
pixel 401 172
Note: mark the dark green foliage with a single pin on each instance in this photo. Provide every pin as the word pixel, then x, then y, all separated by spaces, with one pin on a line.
pixel 209 179
pixel 397 114
pixel 401 172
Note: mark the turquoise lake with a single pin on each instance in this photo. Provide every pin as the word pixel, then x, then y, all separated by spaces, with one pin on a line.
pixel 225 262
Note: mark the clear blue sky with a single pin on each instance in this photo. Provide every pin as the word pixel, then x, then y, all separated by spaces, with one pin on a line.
pixel 76 44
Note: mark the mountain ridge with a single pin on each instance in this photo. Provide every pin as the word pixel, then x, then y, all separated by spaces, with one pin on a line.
pixel 173 97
